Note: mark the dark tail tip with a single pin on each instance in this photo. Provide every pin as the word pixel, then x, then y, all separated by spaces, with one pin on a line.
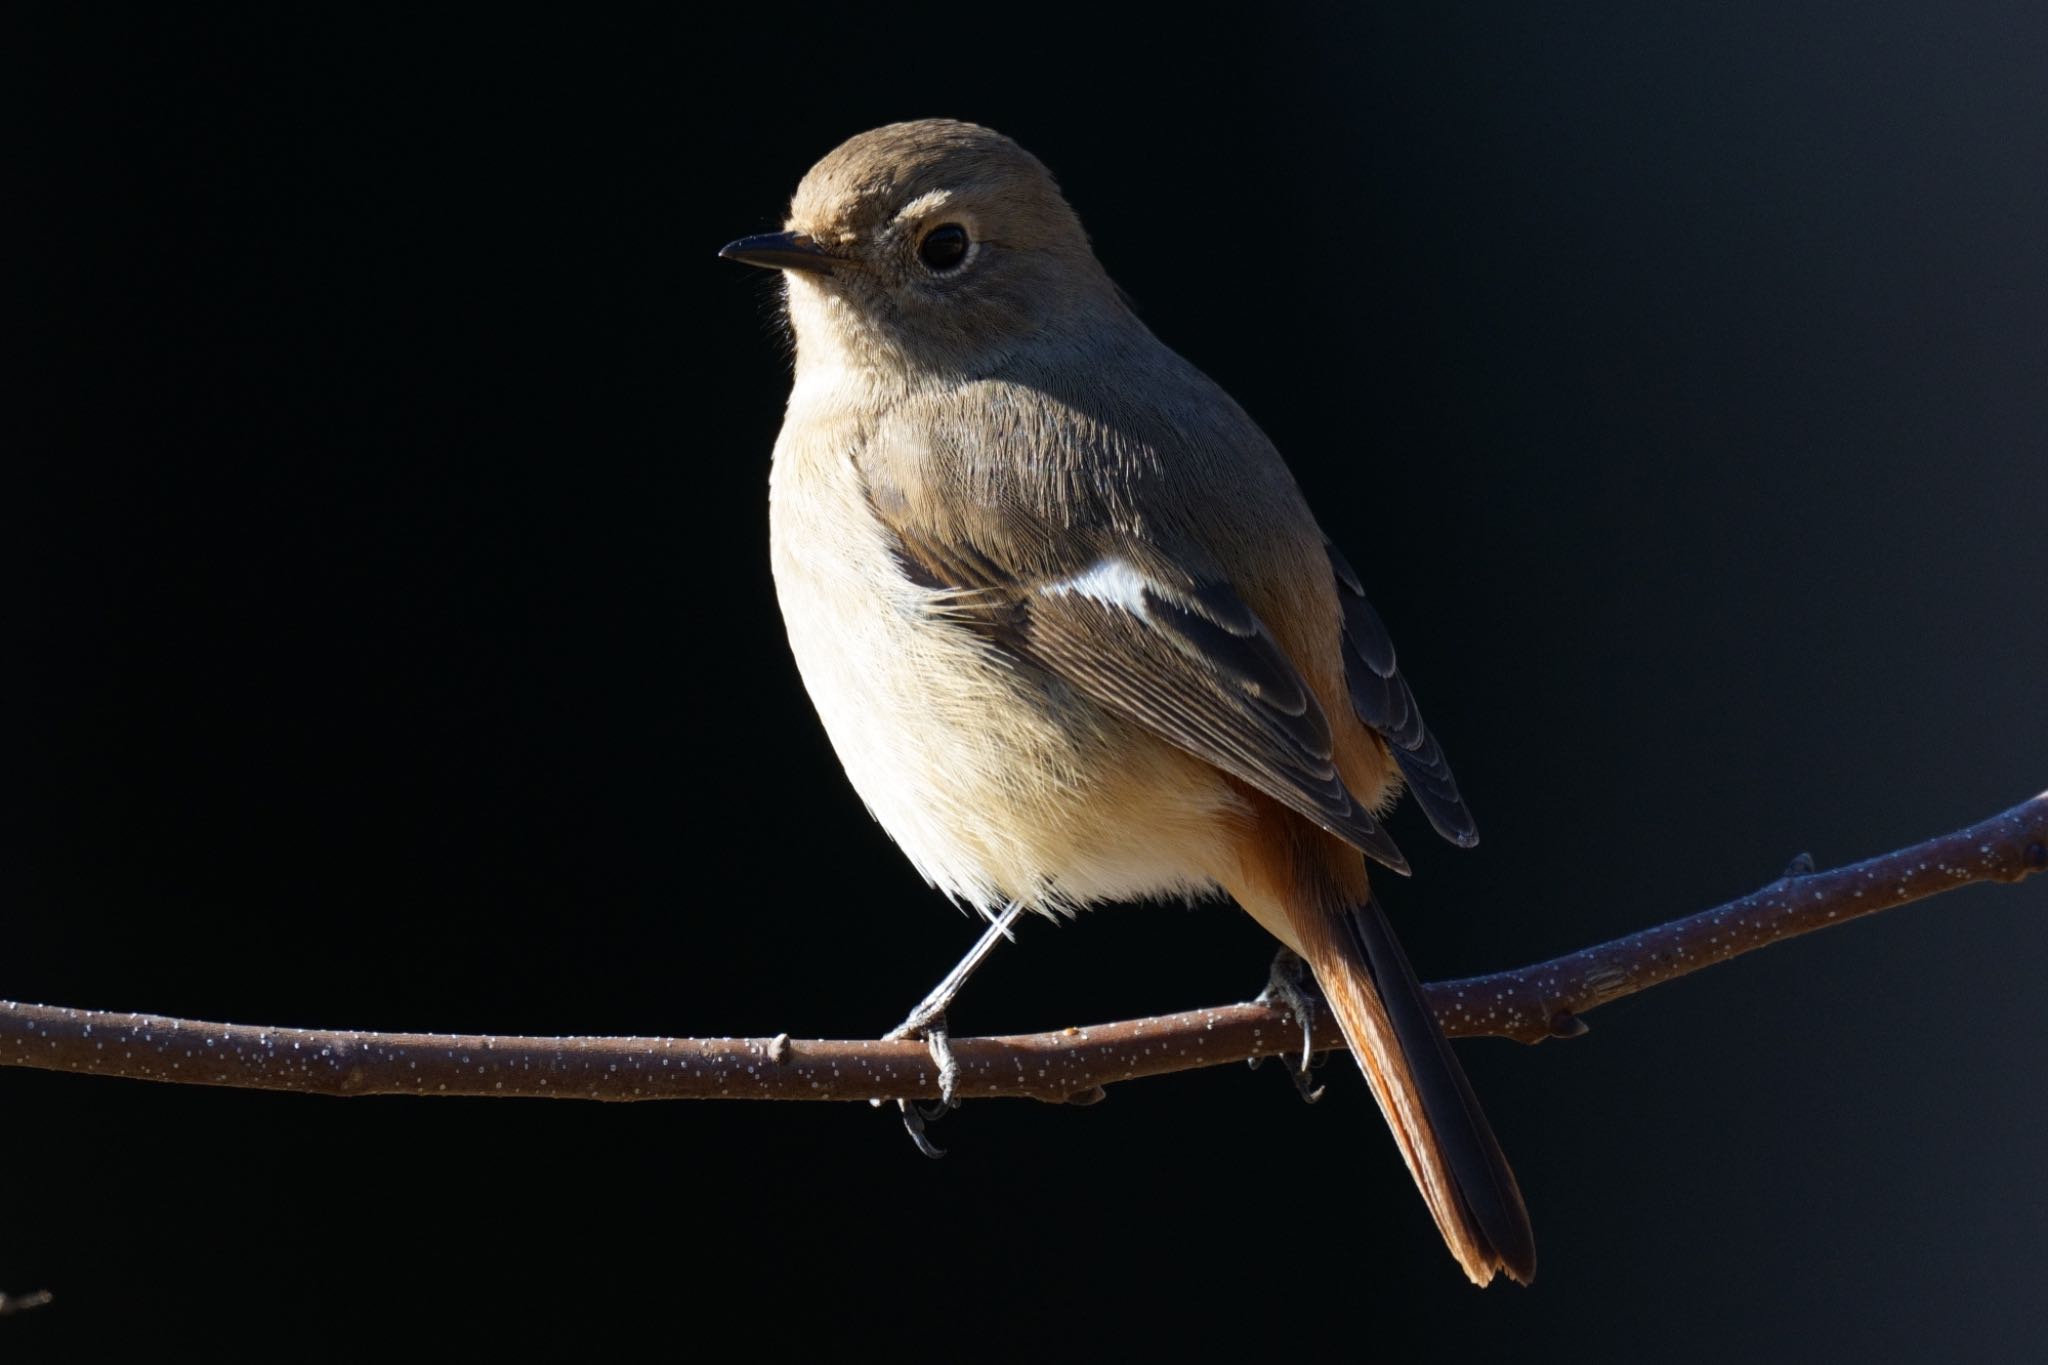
pixel 1486 1186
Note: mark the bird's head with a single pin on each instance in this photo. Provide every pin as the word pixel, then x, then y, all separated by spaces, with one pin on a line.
pixel 935 246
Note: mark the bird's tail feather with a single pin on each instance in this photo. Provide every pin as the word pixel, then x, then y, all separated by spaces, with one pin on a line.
pixel 1442 1134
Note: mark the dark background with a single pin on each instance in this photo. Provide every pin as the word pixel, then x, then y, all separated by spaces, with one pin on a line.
pixel 394 647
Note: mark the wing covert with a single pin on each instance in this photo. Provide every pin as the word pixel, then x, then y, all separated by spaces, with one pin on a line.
pixel 1187 660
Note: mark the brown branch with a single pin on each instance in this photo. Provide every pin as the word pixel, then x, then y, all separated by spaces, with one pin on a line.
pixel 1527 1004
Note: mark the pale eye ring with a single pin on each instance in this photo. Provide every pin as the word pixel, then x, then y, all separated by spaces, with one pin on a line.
pixel 944 248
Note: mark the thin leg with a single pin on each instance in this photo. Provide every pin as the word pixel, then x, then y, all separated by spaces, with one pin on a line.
pixel 933 1007
pixel 929 1020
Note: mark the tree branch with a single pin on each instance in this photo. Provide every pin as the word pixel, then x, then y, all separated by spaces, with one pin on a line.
pixel 1527 1004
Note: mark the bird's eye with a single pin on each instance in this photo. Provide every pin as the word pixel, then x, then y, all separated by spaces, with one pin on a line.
pixel 943 248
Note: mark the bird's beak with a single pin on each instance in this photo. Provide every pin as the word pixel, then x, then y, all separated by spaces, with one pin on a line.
pixel 780 251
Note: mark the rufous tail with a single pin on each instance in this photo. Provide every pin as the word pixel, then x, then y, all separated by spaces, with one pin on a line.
pixel 1443 1136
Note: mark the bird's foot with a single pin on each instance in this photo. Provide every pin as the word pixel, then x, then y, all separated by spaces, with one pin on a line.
pixel 929 1024
pixel 928 1021
pixel 1286 986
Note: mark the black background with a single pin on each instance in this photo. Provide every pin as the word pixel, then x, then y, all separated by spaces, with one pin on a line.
pixel 389 608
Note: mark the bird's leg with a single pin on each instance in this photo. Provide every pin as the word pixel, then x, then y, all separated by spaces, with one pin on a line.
pixel 933 1007
pixel 928 1021
pixel 1286 987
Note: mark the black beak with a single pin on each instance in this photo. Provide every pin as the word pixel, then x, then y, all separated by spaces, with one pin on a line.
pixel 780 251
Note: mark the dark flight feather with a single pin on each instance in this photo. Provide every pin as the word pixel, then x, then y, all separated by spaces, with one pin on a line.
pixel 1380 697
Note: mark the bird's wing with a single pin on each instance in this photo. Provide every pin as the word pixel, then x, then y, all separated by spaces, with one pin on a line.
pixel 1180 655
pixel 1380 697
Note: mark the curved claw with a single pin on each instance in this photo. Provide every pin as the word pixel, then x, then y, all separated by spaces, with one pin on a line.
pixel 939 1043
pixel 928 1021
pixel 1284 988
pixel 914 1120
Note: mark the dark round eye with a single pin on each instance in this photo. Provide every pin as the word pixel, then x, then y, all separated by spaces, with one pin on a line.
pixel 944 247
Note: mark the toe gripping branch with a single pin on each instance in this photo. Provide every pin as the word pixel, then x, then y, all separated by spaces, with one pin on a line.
pixel 1288 986
pixel 938 1041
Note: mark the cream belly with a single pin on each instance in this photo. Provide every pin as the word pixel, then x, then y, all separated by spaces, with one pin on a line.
pixel 992 777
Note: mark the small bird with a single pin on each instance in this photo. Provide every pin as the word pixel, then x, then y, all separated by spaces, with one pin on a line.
pixel 1071 626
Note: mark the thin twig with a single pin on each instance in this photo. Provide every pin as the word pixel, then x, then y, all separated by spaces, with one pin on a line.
pixel 1527 1004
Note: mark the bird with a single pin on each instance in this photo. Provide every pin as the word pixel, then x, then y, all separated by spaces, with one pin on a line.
pixel 1071 627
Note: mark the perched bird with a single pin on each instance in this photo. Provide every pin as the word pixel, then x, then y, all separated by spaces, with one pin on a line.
pixel 1070 624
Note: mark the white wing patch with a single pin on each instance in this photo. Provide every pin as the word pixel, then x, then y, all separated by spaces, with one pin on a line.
pixel 1111 581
